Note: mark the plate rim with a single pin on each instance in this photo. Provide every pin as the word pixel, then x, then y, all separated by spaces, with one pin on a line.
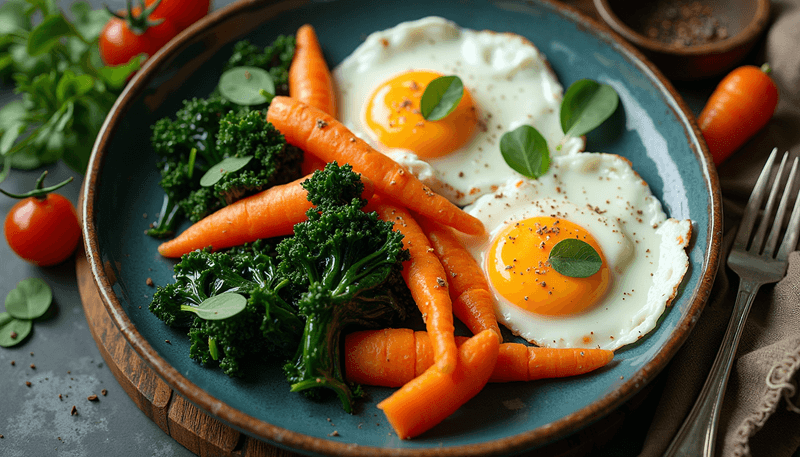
pixel 298 441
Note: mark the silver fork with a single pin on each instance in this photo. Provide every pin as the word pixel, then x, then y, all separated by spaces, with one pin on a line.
pixel 756 263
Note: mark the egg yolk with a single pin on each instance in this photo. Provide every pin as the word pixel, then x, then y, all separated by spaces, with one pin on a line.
pixel 519 269
pixel 393 116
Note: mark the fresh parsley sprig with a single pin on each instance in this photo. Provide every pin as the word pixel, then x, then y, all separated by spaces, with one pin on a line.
pixel 65 87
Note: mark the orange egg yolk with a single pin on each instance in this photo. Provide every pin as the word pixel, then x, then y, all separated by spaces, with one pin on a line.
pixel 519 269
pixel 393 116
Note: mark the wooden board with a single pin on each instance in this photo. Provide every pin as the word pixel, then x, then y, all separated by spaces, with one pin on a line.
pixel 188 425
pixel 207 436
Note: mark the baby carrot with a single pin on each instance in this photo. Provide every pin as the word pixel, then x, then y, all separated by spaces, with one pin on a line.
pixel 310 82
pixel 309 77
pixel 381 358
pixel 472 303
pixel 314 131
pixel 429 398
pixel 269 213
pixel 740 106
pixel 426 279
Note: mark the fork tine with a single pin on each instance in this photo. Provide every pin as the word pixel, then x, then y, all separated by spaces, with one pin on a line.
pixel 766 217
pixel 751 210
pixel 790 239
pixel 772 239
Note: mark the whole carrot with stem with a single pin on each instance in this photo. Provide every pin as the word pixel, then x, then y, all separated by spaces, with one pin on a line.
pixel 426 279
pixel 269 213
pixel 314 131
pixel 469 291
pixel 740 106
pixel 310 82
pixel 431 397
pixel 393 357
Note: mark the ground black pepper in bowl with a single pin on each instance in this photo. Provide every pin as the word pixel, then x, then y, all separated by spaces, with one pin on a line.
pixel 689 39
pixel 681 23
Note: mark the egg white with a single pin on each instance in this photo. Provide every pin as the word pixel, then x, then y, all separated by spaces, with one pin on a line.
pixel 510 81
pixel 644 249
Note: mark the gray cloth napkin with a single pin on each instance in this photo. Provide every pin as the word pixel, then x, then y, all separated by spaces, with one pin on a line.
pixel 760 416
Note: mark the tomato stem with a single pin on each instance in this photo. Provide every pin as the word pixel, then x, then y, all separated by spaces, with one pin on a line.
pixel 766 68
pixel 38 191
pixel 138 24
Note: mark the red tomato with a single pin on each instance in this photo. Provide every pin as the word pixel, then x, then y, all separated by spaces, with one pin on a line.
pixel 182 13
pixel 43 231
pixel 120 40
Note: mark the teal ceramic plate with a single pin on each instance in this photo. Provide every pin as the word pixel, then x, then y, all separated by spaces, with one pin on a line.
pixel 653 129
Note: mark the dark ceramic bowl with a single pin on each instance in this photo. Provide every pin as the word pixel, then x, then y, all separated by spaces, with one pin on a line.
pixel 653 128
pixel 715 37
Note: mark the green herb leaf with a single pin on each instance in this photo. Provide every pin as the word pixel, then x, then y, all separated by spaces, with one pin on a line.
pixel 441 97
pixel 10 136
pixel 13 331
pixel 117 76
pixel 31 299
pixel 216 172
pixel 213 350
pixel 575 258
pixel 525 151
pixel 13 17
pixel 218 307
pixel 72 85
pixel 89 22
pixel 586 105
pixel 48 33
pixel 244 85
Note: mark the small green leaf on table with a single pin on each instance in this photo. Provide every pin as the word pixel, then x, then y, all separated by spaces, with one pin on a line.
pixel 31 299
pixel 13 331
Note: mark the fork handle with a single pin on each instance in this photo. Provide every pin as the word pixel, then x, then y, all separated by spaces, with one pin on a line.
pixel 697 435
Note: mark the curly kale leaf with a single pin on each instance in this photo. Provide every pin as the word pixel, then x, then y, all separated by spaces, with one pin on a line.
pixel 268 326
pixel 351 262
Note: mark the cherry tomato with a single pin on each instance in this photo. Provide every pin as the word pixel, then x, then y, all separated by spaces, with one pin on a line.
pixel 43 231
pixel 182 13
pixel 133 33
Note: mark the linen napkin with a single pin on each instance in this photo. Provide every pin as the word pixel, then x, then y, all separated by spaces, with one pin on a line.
pixel 760 414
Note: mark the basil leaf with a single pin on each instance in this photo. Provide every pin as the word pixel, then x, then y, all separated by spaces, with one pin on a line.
pixel 31 299
pixel 216 172
pixel 525 151
pixel 218 307
pixel 244 86
pixel 13 331
pixel 575 258
pixel 586 105
pixel 441 97
pixel 48 33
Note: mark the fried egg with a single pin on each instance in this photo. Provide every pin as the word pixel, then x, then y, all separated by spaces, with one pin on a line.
pixel 507 82
pixel 597 198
